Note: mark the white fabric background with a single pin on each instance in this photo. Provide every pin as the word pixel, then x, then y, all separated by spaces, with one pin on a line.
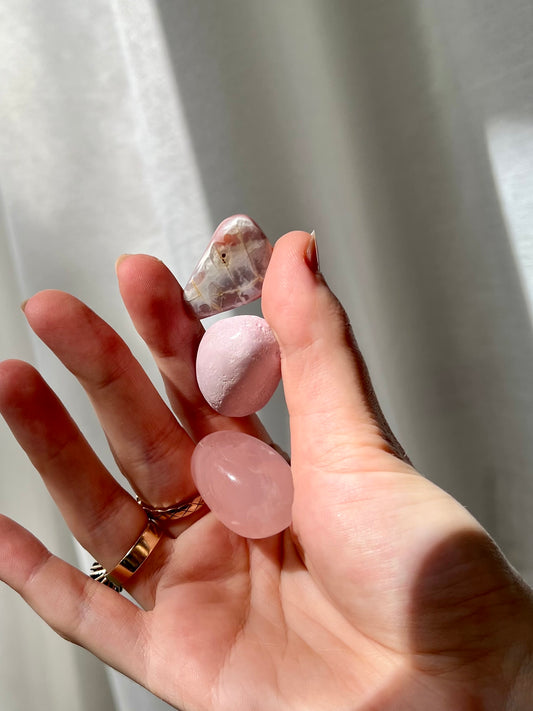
pixel 401 130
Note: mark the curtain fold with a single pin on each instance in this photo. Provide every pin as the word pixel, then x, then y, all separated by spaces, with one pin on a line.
pixel 402 132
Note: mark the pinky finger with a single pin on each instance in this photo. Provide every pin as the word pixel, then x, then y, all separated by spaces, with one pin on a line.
pixel 76 607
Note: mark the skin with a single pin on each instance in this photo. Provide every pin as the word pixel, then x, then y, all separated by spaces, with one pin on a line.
pixel 385 594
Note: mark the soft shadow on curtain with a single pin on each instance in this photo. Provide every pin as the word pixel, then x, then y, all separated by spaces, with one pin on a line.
pixel 396 130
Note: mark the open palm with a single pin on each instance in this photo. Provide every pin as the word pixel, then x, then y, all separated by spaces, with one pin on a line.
pixel 384 595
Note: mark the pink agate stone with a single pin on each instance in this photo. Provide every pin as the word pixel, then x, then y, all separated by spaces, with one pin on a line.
pixel 238 365
pixel 231 270
pixel 246 484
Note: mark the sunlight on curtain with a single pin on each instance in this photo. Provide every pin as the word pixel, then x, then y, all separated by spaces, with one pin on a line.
pixel 95 161
pixel 510 143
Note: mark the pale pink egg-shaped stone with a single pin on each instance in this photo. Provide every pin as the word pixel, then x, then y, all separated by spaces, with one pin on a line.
pixel 238 365
pixel 246 484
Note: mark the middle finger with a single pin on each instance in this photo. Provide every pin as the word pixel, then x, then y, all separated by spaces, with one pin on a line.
pixel 151 449
pixel 154 300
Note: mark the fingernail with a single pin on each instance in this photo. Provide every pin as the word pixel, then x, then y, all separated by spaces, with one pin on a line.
pixel 311 254
pixel 23 305
pixel 120 259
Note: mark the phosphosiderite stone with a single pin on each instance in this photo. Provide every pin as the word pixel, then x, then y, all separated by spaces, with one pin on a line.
pixel 246 484
pixel 231 270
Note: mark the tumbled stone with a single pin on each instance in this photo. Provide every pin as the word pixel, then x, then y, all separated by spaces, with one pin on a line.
pixel 246 484
pixel 231 270
pixel 238 365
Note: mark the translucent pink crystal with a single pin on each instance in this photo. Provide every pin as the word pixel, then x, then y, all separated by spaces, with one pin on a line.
pixel 245 483
pixel 238 365
pixel 231 270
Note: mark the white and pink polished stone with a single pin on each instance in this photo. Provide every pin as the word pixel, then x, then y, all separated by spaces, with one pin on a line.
pixel 246 484
pixel 230 273
pixel 238 365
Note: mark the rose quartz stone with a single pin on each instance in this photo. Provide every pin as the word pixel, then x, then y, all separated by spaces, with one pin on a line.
pixel 238 365
pixel 246 484
pixel 232 268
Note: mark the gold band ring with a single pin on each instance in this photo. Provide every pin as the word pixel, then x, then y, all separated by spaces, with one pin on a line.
pixel 132 561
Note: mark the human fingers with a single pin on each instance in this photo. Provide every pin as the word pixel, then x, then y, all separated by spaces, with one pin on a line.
pixel 330 398
pixel 102 516
pixel 154 301
pixel 75 606
pixel 151 448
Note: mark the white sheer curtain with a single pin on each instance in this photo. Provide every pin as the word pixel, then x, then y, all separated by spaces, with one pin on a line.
pixel 402 131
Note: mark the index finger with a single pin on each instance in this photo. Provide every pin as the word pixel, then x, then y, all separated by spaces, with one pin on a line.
pixel 154 301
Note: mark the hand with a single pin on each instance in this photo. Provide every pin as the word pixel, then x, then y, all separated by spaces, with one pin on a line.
pixel 385 595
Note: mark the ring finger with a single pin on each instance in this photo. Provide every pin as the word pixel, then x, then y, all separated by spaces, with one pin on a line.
pixel 102 516
pixel 151 449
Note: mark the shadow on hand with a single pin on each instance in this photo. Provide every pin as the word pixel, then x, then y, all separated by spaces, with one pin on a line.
pixel 469 631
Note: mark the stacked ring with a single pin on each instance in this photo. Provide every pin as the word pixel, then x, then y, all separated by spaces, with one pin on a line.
pixel 132 561
pixel 145 544
pixel 174 512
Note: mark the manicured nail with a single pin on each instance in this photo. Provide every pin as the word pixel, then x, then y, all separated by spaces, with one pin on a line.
pixel 311 254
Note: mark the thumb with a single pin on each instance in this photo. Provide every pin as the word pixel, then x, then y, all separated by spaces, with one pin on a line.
pixel 327 387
